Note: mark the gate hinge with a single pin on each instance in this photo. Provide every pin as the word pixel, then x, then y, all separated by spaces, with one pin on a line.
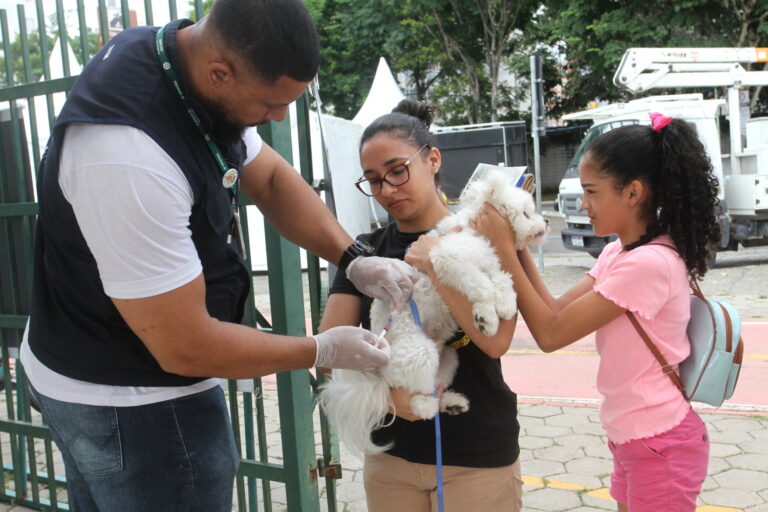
pixel 329 470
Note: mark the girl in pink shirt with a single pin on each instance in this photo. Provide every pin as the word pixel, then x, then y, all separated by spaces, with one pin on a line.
pixel 654 187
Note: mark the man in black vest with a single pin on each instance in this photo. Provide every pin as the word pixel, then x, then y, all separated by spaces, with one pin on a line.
pixel 139 281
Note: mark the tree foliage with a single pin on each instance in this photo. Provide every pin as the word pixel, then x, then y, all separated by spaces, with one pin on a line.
pixel 460 53
pixel 593 35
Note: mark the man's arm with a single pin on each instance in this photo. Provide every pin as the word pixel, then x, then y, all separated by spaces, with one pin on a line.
pixel 176 328
pixel 184 339
pixel 292 206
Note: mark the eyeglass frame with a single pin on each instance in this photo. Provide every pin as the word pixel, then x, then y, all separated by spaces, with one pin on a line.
pixel 405 164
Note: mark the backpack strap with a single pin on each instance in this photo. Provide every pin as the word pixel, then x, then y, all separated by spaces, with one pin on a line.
pixel 665 366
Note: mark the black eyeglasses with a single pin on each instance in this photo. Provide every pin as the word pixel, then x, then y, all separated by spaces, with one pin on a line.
pixel 398 175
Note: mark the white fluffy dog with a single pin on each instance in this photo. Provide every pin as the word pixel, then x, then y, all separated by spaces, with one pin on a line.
pixel 356 402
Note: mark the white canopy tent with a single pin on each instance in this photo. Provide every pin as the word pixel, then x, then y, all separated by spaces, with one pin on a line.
pixel 383 96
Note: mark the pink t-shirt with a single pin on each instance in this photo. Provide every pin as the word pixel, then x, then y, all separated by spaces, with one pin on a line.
pixel 651 281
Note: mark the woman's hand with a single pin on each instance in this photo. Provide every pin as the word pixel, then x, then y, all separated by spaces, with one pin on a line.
pixel 418 254
pixel 401 403
pixel 495 228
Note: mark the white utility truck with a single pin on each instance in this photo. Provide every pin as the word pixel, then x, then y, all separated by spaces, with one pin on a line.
pixel 742 169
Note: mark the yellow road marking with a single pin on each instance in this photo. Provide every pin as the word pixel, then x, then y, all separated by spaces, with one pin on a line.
pixel 535 351
pixel 714 508
pixel 603 493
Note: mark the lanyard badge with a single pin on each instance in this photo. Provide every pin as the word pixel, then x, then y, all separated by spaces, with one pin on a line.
pixel 229 176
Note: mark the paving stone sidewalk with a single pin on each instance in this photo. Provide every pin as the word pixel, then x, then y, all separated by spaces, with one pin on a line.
pixel 567 465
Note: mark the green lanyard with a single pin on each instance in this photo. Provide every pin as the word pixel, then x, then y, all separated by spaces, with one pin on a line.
pixel 229 175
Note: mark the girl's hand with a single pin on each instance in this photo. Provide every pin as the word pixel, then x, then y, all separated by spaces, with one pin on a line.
pixel 495 228
pixel 418 253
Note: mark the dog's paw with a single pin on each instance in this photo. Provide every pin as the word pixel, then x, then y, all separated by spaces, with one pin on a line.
pixel 424 406
pixel 485 318
pixel 453 403
pixel 506 307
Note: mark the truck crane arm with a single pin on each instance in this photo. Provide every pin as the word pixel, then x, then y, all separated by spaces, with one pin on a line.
pixel 642 69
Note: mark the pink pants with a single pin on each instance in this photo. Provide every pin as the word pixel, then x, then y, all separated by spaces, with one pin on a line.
pixel 663 473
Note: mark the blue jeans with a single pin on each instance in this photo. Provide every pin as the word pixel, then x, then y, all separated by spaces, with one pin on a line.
pixel 177 455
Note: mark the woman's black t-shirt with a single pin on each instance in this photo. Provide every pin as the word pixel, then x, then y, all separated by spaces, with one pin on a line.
pixel 486 436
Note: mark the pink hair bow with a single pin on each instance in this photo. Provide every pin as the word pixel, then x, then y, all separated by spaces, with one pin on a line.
pixel 659 121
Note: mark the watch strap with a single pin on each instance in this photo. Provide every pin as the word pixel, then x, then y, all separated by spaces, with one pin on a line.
pixel 357 248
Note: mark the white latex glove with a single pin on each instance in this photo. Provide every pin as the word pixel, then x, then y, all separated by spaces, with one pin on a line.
pixel 387 279
pixel 351 348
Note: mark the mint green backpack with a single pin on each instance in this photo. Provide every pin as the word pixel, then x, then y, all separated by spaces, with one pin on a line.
pixel 710 372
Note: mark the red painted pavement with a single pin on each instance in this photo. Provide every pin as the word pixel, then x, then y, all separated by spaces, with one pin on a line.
pixel 571 372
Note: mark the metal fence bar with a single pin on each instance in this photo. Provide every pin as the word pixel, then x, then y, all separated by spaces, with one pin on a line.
pixel 294 399
pixel 148 15
pixel 172 9
pixel 28 77
pixel 250 452
pixel 329 466
pixel 45 57
pixel 47 87
pixel 63 38
pixel 85 47
pixel 198 10
pixel 125 14
pixel 103 23
pixel 7 47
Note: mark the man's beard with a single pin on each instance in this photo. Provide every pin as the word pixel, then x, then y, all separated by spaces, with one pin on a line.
pixel 222 129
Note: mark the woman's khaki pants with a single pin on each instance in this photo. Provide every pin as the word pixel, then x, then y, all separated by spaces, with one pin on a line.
pixel 393 484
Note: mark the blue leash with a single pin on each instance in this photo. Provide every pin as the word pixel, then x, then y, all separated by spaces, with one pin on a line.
pixel 439 460
pixel 438 436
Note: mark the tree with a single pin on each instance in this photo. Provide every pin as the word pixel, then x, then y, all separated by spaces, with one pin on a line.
pixel 594 34
pixel 352 35
pixel 477 35
pixel 752 16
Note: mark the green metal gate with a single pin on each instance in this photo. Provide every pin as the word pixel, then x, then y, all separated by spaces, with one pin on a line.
pixel 279 467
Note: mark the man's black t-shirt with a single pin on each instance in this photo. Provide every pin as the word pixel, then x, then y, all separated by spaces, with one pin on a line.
pixel 486 436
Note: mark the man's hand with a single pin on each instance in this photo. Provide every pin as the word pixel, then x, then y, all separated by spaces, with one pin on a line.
pixel 386 279
pixel 351 348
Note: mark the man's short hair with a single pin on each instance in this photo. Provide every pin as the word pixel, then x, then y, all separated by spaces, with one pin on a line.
pixel 275 37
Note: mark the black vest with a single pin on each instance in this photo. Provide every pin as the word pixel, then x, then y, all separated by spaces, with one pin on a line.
pixel 75 329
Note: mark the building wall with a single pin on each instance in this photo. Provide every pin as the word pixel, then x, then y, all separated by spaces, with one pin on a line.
pixel 556 155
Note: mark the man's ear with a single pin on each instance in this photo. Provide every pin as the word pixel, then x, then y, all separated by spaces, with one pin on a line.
pixel 220 72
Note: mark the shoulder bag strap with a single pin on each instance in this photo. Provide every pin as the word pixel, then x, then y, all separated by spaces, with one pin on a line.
pixel 665 367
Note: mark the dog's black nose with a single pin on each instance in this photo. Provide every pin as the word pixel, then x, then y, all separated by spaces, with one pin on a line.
pixel 546 221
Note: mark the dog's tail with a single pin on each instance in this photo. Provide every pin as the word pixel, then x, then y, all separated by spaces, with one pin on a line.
pixel 356 403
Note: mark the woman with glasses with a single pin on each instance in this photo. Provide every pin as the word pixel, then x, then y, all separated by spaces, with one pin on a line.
pixel 480 447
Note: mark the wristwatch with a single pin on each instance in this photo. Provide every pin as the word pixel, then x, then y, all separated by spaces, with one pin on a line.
pixel 357 248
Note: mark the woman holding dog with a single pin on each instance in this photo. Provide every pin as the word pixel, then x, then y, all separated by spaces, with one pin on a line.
pixel 480 447
pixel 654 187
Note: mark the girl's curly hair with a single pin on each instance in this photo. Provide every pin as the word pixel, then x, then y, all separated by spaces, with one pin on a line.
pixel 676 167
